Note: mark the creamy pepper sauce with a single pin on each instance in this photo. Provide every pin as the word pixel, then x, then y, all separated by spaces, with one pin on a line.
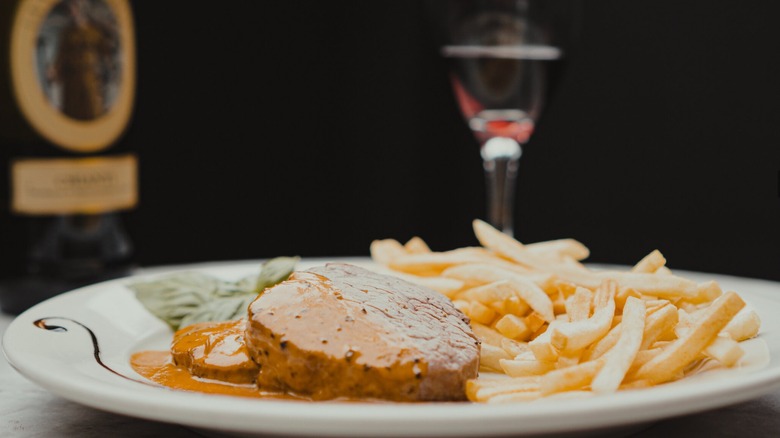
pixel 158 367
pixel 207 357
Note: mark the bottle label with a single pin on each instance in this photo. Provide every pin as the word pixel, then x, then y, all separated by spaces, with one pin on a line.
pixel 73 70
pixel 74 185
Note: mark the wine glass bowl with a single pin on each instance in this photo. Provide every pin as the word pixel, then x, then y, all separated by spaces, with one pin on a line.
pixel 498 52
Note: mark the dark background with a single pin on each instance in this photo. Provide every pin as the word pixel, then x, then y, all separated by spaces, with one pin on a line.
pixel 311 128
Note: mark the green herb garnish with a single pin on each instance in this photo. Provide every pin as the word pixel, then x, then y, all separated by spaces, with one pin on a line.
pixel 186 298
pixel 275 271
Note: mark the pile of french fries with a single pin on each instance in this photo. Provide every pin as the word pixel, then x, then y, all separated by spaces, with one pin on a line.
pixel 557 328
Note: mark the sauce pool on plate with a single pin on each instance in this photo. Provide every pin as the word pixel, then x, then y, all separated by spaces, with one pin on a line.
pixel 206 357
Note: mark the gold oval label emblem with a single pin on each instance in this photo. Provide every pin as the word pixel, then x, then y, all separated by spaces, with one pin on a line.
pixel 73 70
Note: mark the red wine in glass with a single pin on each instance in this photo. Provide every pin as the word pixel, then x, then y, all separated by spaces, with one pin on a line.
pixel 500 90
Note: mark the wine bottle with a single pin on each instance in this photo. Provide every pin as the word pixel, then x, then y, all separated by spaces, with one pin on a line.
pixel 67 87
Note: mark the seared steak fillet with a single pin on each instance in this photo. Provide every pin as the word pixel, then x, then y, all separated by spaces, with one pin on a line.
pixel 340 331
pixel 215 350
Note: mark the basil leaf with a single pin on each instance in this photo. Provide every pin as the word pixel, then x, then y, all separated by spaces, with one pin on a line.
pixel 173 297
pixel 275 271
pixel 185 298
pixel 247 284
pixel 220 309
pixel 229 288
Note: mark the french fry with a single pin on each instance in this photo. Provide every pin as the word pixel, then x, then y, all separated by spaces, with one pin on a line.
pixel 684 350
pixel 577 335
pixel 565 288
pixel 660 344
pixel 689 306
pixel 619 359
pixel 438 261
pixel 655 304
pixel 662 286
pixel 643 357
pixel 568 358
pixel 655 327
pixel 483 273
pixel 725 350
pixel 488 293
pixel 523 288
pixel 603 345
pixel 524 368
pixel 559 304
pixel 529 292
pixel 526 355
pixel 462 305
pixel 516 306
pixel 541 330
pixel 744 326
pixel 448 287
pixel 506 246
pixel 481 313
pixel 570 378
pixel 578 305
pixel 514 348
pixel 474 385
pixel 622 295
pixel 707 292
pixel 513 327
pixel 416 245
pixel 487 382
pixel 659 323
pixel 650 263
pixel 510 248
pixel 487 335
pixel 534 322
pixel 491 356
pixel 542 347
pixel 559 249
pixel 636 384
pixel 481 392
pixel 498 306
pixel 385 250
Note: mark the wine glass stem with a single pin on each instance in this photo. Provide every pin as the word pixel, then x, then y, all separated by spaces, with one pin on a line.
pixel 501 157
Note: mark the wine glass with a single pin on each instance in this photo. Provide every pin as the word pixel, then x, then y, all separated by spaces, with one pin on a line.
pixel 499 51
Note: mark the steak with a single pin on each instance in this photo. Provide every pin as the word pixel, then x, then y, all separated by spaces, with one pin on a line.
pixel 340 331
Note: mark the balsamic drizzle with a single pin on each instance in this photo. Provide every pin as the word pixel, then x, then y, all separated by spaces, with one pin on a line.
pixel 42 323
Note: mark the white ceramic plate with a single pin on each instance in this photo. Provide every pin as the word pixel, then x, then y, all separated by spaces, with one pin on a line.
pixel 64 363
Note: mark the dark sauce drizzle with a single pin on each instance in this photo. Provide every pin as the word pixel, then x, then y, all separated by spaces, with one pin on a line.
pixel 43 324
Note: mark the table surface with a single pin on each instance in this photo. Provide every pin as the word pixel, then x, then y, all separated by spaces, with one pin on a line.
pixel 27 410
